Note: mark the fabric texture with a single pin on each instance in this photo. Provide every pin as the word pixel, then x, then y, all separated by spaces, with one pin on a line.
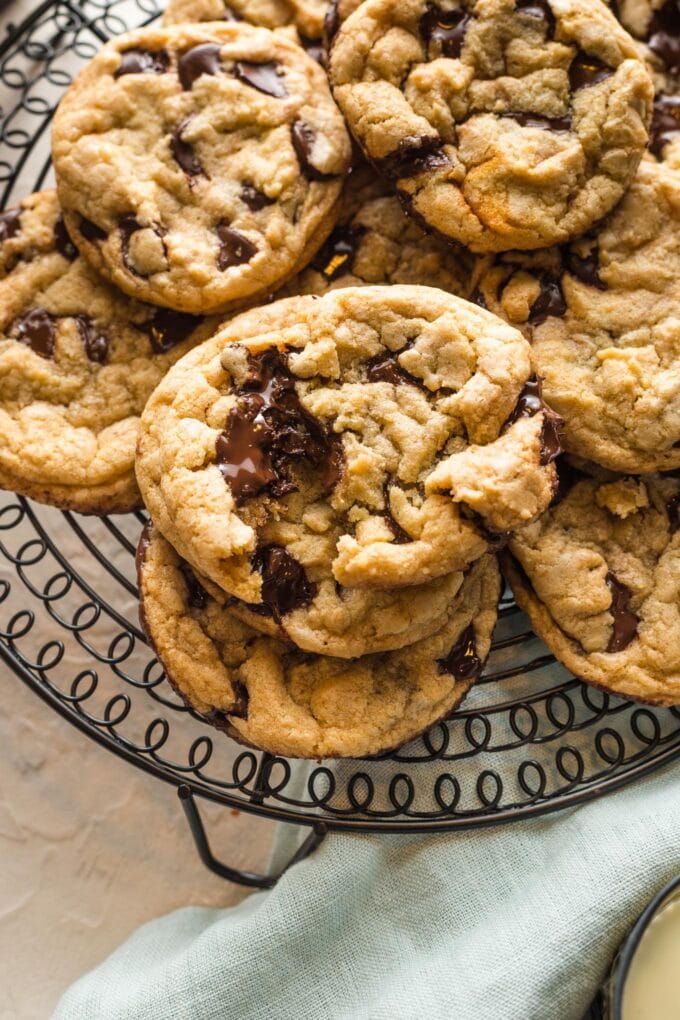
pixel 518 922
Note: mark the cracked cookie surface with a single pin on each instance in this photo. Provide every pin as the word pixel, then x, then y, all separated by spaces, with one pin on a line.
pixel 602 318
pixel 375 242
pixel 78 361
pixel 335 462
pixel 504 124
pixel 266 693
pixel 599 576
pixel 200 166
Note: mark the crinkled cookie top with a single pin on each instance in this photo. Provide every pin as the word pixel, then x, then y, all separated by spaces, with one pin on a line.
pixel 505 123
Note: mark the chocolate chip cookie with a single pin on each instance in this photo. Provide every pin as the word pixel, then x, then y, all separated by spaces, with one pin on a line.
pixel 77 363
pixel 602 317
pixel 267 694
pixel 504 123
pixel 375 242
pixel 200 166
pixel 307 16
pixel 599 576
pixel 373 438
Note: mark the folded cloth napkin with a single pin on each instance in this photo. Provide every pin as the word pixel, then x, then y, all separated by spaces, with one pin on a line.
pixel 518 922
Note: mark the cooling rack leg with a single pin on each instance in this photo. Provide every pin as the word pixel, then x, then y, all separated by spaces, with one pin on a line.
pixel 247 878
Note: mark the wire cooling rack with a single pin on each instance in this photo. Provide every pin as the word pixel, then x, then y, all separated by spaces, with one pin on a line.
pixel 530 738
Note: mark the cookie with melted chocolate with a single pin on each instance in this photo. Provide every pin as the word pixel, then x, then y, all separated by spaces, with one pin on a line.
pixel 78 360
pixel 599 576
pixel 230 173
pixel 379 437
pixel 503 124
pixel 265 693
pixel 602 318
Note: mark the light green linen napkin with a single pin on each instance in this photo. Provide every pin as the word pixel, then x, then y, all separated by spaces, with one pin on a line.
pixel 511 923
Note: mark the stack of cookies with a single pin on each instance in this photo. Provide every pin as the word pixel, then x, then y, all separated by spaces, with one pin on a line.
pixel 356 317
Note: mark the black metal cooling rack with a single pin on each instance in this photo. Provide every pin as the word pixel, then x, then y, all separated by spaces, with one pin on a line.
pixel 530 738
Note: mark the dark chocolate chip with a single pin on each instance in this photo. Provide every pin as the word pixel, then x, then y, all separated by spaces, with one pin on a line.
pixel 331 22
pixel 550 301
pixel 235 249
pixel 266 77
pixel 36 329
pixel 268 431
pixel 386 368
pixel 10 223
pixel 304 136
pixel 585 268
pixel 625 621
pixel 585 71
pixel 531 403
pixel 540 10
pixel 285 585
pixel 239 709
pixel 664 35
pixel 95 342
pixel 128 226
pixel 401 537
pixel 337 254
pixel 184 154
pixel 665 126
pixel 139 61
pixel 168 328
pixel 62 241
pixel 463 662
pixel 90 230
pixel 315 48
pixel 202 59
pixel 414 155
pixel 534 120
pixel 444 31
pixel 254 199
pixel 197 596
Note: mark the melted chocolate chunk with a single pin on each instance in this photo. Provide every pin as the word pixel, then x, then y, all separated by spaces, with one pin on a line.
pixel 197 596
pixel 413 156
pixel 202 59
pixel 585 71
pixel 665 126
pixel 168 328
pixel 239 709
pixel 550 301
pixel 331 23
pixel 315 48
pixel 463 662
pixel 336 256
pixel 401 537
pixel 530 403
pixel 36 329
pixel 184 154
pixel 285 585
pixel 62 241
pixel 386 368
pixel 128 226
pixel 267 77
pixel 585 268
pixel 90 230
pixel 235 249
pixel 304 136
pixel 664 35
pixel 254 199
pixel 269 430
pixel 10 224
pixel 534 120
pixel 540 10
pixel 625 620
pixel 444 31
pixel 96 343
pixel 138 61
